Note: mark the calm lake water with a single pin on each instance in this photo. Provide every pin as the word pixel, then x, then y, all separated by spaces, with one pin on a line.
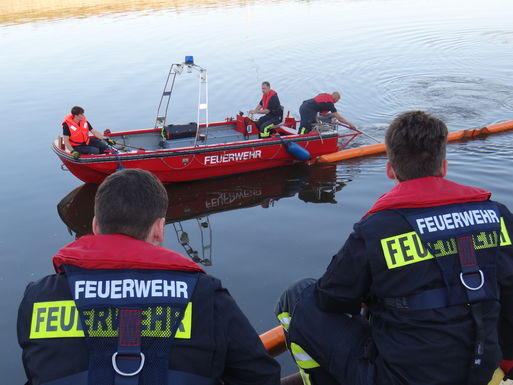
pixel 259 232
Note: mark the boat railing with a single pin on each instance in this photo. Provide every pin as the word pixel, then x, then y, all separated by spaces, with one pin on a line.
pixel 202 111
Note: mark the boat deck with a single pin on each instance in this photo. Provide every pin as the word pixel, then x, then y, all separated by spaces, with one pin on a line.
pixel 152 141
pixel 216 135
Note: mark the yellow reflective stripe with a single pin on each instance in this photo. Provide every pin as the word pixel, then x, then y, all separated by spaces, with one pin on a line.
pixel 305 377
pixel 60 319
pixel 505 238
pixel 55 319
pixel 303 359
pixel 284 319
pixel 404 249
pixel 185 328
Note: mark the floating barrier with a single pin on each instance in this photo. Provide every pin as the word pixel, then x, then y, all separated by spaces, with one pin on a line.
pixel 274 341
pixel 379 148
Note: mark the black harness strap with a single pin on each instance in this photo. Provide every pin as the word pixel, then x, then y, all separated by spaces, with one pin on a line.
pixel 472 279
pixel 128 360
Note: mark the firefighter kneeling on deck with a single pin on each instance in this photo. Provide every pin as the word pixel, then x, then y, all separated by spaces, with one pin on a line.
pixel 149 315
pixel 432 261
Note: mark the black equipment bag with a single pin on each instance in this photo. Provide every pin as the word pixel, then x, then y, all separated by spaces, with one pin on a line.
pixel 177 131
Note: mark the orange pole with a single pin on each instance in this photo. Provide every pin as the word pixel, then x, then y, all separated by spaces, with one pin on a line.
pixel 379 148
pixel 353 153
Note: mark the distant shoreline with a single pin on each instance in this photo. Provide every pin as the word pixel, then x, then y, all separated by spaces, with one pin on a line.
pixel 26 11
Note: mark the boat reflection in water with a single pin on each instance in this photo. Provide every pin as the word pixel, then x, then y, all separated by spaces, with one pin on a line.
pixel 198 200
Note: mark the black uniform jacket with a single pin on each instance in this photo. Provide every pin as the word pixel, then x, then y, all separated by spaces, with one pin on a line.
pixel 383 258
pixel 222 345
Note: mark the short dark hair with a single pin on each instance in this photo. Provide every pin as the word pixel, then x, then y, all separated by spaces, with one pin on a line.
pixel 76 110
pixel 266 83
pixel 129 202
pixel 416 143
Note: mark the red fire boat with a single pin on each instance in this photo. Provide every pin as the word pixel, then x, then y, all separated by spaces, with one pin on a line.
pixel 201 150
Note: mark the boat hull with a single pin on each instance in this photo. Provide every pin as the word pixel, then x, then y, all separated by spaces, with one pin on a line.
pixel 201 162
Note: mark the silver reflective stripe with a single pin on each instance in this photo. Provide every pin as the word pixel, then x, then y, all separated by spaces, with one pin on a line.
pixel 303 359
pixel 284 319
pixel 305 377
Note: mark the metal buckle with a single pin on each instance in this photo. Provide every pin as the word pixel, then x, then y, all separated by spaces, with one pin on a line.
pixel 115 366
pixel 469 287
pixel 396 302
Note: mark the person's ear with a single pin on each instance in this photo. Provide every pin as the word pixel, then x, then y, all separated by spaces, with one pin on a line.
pixel 96 227
pixel 390 171
pixel 445 166
pixel 156 234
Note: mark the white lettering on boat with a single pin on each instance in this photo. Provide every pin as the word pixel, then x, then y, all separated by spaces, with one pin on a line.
pixel 456 220
pixel 224 199
pixel 233 157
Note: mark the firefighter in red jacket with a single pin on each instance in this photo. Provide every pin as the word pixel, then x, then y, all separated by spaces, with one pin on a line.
pixel 75 133
pixel 432 261
pixel 322 104
pixel 124 310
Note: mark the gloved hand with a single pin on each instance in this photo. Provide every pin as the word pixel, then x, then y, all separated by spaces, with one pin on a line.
pixel 75 154
pixel 110 141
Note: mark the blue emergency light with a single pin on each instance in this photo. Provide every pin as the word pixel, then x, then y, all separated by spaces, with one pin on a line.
pixel 189 60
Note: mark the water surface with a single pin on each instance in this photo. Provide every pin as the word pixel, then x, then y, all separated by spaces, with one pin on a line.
pixel 260 232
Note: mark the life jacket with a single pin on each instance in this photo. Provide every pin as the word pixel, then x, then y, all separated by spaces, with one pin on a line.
pixel 133 284
pixel 266 98
pixel 461 230
pixel 324 98
pixel 427 192
pixel 79 133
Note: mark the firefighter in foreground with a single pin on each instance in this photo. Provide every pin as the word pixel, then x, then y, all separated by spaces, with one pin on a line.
pixel 148 314
pixel 432 261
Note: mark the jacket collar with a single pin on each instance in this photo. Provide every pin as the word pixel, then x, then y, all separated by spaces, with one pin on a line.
pixel 428 192
pixel 117 251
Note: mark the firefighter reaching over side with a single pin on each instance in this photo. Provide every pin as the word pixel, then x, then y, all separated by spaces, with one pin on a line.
pixel 121 309
pixel 433 262
pixel 320 108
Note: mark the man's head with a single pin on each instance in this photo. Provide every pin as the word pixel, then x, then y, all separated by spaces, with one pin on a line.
pixel 77 113
pixel 266 87
pixel 76 110
pixel 336 96
pixel 416 143
pixel 131 202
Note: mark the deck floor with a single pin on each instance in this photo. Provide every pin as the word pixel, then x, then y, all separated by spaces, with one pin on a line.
pixel 215 135
pixel 153 141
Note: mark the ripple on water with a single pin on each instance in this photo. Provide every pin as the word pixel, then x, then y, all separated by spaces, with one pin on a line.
pixel 499 37
pixel 456 99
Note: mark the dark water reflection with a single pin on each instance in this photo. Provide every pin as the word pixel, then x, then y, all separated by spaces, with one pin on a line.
pixel 260 231
pixel 197 201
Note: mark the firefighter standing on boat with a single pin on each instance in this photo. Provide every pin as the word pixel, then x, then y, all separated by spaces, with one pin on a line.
pixel 432 261
pixel 148 315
